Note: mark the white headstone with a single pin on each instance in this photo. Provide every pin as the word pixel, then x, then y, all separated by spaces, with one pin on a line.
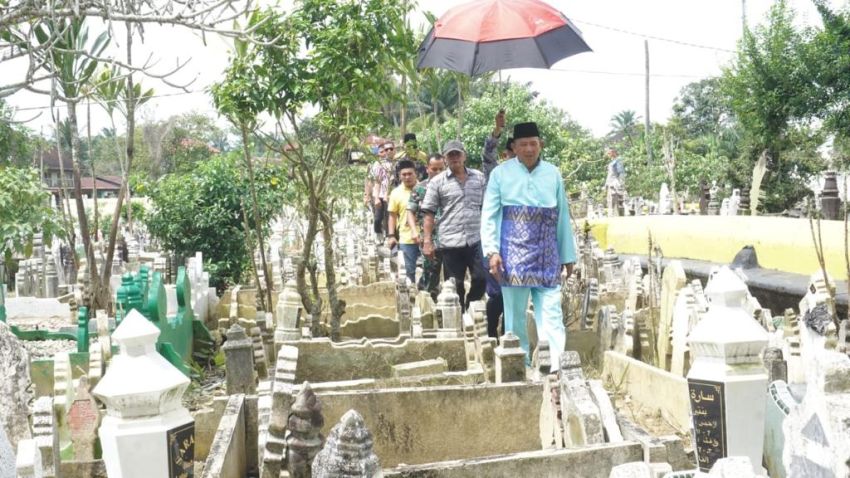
pixel 727 380
pixel 147 431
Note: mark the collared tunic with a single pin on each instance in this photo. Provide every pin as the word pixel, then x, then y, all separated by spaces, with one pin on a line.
pixel 526 219
pixel 459 206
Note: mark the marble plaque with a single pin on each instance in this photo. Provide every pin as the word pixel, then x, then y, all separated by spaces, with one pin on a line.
pixel 181 451
pixel 709 416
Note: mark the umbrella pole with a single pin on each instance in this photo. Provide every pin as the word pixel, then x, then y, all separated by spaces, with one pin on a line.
pixel 500 89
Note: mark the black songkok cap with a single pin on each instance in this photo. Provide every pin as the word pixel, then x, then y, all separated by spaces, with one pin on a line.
pixel 526 130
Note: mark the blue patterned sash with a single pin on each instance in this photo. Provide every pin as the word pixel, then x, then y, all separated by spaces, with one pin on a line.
pixel 529 246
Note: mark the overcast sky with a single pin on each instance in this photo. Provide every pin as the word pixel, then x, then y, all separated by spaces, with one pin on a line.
pixel 688 40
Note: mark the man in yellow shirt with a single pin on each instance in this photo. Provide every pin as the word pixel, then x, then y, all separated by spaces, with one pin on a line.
pixel 403 236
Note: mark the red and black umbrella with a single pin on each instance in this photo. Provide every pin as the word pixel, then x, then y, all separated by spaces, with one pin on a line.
pixel 489 35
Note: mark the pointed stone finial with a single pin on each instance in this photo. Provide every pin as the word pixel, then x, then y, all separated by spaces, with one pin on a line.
pixel 304 440
pixel 348 451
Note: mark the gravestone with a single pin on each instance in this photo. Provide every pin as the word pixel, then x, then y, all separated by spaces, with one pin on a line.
pixel 142 393
pixel 449 311
pixel 685 317
pixel 582 421
pixel 255 335
pixel 288 315
pixel 239 362
pixel 672 280
pixel 777 368
pixel 46 435
pixel 283 395
pixel 83 419
pixel 829 199
pixel 348 451
pixel 727 381
pixel 14 387
pixel 510 360
pixel 304 439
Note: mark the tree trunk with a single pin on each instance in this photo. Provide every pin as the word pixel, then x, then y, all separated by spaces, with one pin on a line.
pixel 249 245
pixel 106 272
pixel 246 147
pixel 93 174
pixel 63 203
pixel 337 307
pixel 459 109
pixel 301 272
pixel 94 279
pixel 403 111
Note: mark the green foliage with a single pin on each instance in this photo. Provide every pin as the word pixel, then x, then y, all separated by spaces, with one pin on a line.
pixel 624 126
pixel 202 210
pixel 766 88
pixel 16 143
pixel 566 144
pixel 61 46
pixel 24 211
pixel 339 56
pixel 701 109
pixel 827 65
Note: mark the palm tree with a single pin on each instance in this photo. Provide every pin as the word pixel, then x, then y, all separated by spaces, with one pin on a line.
pixel 624 125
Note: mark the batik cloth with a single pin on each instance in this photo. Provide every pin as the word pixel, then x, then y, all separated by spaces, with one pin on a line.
pixel 529 246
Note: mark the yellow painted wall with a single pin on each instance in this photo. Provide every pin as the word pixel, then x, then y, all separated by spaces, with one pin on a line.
pixel 783 244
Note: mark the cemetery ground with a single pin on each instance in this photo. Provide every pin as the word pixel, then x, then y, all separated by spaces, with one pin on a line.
pixel 674 367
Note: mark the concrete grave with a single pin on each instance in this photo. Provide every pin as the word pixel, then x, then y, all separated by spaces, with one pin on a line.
pixel 320 360
pixel 409 424
pixel 227 453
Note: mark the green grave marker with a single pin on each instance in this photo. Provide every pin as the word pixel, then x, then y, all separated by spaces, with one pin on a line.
pixel 182 338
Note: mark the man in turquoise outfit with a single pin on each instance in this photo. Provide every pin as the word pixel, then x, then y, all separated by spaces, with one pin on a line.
pixel 528 239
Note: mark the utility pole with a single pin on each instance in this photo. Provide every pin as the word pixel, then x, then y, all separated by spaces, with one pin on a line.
pixel 647 124
pixel 743 16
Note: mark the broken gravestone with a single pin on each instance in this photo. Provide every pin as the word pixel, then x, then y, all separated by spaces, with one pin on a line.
pixel 14 388
pixel 83 419
pixel 348 451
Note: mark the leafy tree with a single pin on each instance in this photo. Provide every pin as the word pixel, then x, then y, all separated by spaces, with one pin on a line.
pixel 202 210
pixel 701 108
pixel 566 143
pixel 764 85
pixel 338 57
pixel 24 211
pixel 827 67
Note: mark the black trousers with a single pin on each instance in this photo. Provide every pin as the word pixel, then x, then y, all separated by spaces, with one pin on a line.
pixel 495 309
pixel 456 261
pixel 380 220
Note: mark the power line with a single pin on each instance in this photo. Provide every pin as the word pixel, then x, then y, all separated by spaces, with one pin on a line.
pixel 95 103
pixel 653 37
pixel 628 73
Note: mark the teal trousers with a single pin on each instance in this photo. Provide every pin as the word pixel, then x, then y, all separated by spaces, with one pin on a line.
pixel 547 317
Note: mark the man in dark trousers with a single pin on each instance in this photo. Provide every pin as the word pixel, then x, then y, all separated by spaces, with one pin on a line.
pixel 457 194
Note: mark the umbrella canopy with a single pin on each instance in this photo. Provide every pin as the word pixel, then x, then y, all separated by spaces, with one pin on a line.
pixel 488 35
